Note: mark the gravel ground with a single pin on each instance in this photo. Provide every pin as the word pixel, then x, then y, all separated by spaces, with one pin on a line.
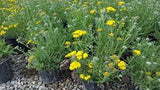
pixel 25 79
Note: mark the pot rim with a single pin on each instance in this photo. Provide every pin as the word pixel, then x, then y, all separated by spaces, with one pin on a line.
pixel 8 58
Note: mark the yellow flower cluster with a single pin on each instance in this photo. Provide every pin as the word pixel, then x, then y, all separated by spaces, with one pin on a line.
pixel 111 34
pixel 74 65
pixel 85 77
pixel 70 54
pixel 110 23
pixel 110 9
pixel 90 65
pixel 31 41
pixel 3 28
pixel 158 73
pixel 121 3
pixel 30 58
pixel 148 73
pixel 11 6
pixel 106 74
pixel 136 52
pixel 78 33
pixel 122 65
pixel 92 11
pixel 99 2
pixel 99 29
pixel 79 55
pixel 2 32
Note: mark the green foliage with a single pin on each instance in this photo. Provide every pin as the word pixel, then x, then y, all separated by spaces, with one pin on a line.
pixel 146 65
pixel 5 49
pixel 48 52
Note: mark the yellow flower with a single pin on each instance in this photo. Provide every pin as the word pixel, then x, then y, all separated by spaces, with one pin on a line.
pixel 73 53
pixel 90 65
pixel 15 25
pixel 110 9
pixel 158 73
pixel 106 74
pixel 30 41
pixel 99 2
pixel 5 28
pixel 10 26
pixel 90 71
pixel 75 1
pixel 122 65
pixel 99 29
pixel 2 32
pixel 70 54
pixel 136 52
pixel 78 33
pixel 92 11
pixel 124 9
pixel 110 23
pixel 148 73
pixel 30 58
pixel 38 22
pixel 117 61
pixel 79 55
pixel 82 76
pixel 85 55
pixel 114 57
pixel 119 39
pixel 85 77
pixel 67 43
pixel 74 42
pixel 83 32
pixel 101 10
pixel 123 68
pixel 121 3
pixel 110 65
pixel 111 34
pixel 74 65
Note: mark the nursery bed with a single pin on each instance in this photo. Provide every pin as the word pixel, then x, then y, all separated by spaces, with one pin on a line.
pixel 25 79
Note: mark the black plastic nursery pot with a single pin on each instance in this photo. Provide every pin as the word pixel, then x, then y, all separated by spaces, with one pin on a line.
pixel 94 86
pixel 6 72
pixel 13 42
pixel 49 76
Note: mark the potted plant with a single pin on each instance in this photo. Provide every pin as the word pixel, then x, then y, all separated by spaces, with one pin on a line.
pixel 47 56
pixel 5 69
pixel 96 72
pixel 144 65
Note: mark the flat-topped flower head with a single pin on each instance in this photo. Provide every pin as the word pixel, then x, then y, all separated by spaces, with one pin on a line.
pixel 99 29
pixel 74 65
pixel 85 77
pixel 92 11
pixel 106 74
pixel 110 9
pixel 78 33
pixel 136 52
pixel 122 65
pixel 111 34
pixel 110 23
pixel 121 3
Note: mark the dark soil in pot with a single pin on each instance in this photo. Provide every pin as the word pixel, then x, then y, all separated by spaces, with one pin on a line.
pixel 94 86
pixel 49 76
pixel 5 70
pixel 124 84
pixel 14 43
